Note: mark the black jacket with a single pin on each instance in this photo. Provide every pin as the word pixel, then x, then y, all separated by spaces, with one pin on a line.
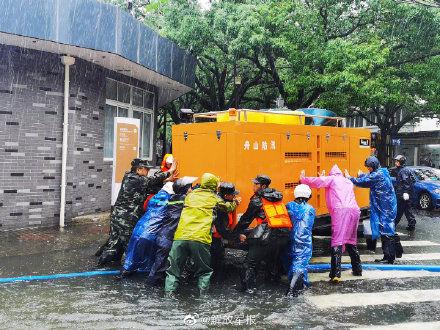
pixel 255 210
pixel 404 182
pixel 221 220
pixel 172 217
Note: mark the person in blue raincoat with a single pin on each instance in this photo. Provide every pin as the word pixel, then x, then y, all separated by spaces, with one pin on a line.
pixel 299 252
pixel 141 248
pixel 383 205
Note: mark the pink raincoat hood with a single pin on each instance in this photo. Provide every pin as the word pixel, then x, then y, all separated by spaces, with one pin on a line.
pixel 335 170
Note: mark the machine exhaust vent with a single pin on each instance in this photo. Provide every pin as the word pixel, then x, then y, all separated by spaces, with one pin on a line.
pixel 336 154
pixel 298 155
pixel 289 185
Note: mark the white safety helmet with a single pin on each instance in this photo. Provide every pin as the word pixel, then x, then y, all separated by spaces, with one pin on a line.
pixel 302 190
pixel 169 159
pixel 168 187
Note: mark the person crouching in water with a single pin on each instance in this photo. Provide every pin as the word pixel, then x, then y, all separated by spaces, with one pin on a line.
pixel 193 235
pixel 383 205
pixel 297 256
pixel 222 228
pixel 345 213
pixel 164 239
pixel 269 238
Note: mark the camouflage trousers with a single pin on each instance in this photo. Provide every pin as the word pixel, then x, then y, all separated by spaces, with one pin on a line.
pixel 116 244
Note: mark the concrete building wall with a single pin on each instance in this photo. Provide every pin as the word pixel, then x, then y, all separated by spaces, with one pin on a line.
pixel 31 125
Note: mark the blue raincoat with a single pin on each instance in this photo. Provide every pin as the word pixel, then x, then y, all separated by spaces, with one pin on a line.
pixel 383 204
pixel 297 256
pixel 141 250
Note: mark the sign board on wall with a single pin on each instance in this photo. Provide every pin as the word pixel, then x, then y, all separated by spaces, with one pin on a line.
pixel 125 148
pixel 396 142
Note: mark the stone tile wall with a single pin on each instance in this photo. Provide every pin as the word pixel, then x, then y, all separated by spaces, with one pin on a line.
pixel 31 126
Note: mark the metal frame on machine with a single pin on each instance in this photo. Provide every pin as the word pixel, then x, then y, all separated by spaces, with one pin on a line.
pixel 213 114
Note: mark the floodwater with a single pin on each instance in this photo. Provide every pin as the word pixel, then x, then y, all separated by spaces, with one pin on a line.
pixel 106 302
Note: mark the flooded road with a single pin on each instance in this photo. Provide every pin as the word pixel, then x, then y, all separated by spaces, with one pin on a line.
pixel 378 298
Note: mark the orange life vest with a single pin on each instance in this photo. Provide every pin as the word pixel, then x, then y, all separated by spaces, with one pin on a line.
pixel 276 214
pixel 230 221
pixel 147 200
pixel 163 166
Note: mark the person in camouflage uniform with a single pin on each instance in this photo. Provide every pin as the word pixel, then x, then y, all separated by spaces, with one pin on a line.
pixel 128 208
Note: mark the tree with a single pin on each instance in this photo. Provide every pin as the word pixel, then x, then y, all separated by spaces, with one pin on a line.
pixel 219 47
pixel 138 8
pixel 401 84
pixel 427 3
pixel 374 58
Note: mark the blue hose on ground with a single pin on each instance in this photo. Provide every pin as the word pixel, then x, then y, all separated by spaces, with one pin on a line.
pixel 431 268
pixel 49 277
pixel 312 268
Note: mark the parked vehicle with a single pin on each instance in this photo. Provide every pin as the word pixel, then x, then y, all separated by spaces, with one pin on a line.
pixel 426 186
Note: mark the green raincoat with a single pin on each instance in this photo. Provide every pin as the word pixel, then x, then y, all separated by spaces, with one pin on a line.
pixel 198 211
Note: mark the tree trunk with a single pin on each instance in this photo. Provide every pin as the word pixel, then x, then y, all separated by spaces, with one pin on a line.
pixel 381 150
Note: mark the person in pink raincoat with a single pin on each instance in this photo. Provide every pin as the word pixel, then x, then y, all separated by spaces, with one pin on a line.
pixel 345 213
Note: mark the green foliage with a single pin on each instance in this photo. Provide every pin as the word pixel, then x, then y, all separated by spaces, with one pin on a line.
pixel 373 58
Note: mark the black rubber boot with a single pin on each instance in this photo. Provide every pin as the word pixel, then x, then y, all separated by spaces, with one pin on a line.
pixel 398 245
pixel 389 251
pixel 126 273
pixel 296 285
pixel 106 258
pixel 248 279
pixel 251 280
pixel 371 244
pixel 356 266
pixel 335 271
pixel 100 250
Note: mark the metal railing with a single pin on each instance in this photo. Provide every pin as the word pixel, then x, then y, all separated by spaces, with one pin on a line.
pixel 244 112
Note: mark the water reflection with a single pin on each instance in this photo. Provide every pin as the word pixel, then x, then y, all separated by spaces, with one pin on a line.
pixel 104 302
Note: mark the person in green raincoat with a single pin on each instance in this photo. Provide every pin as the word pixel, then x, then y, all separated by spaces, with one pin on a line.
pixel 193 235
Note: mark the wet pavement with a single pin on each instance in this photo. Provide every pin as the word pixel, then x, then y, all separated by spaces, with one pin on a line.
pixel 379 298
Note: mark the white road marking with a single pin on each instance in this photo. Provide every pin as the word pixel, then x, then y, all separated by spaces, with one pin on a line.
pixel 373 298
pixel 373 275
pixel 378 255
pixel 406 325
pixel 321 237
pixel 410 243
pixel 329 237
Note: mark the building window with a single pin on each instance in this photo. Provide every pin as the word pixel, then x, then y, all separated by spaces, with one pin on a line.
pixel 372 118
pixel 123 100
pixel 359 121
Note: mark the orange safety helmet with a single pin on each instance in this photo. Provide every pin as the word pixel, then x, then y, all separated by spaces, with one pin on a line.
pixel 164 162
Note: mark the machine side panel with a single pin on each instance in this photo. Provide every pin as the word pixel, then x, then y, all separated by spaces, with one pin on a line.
pixel 200 153
pixel 358 153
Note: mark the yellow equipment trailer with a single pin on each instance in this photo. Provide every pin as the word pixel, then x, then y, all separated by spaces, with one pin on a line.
pixel 237 150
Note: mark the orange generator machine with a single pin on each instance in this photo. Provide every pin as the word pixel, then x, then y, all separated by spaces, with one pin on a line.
pixel 237 145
